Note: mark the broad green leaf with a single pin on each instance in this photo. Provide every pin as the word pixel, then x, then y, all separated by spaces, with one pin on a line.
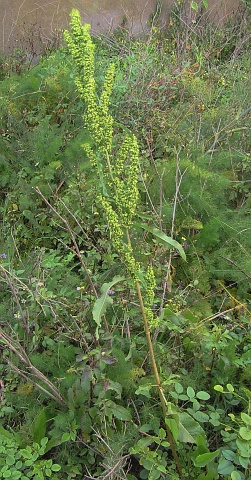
pixel 225 467
pixel 244 447
pixel 162 238
pixel 56 467
pixel 230 388
pixel 161 468
pixel 189 429
pixel 101 304
pixel 190 392
pixel 115 387
pixel 145 428
pixel 229 455
pixel 244 462
pixel 246 357
pixel 119 412
pixel 205 458
pixel 162 433
pixel 205 3
pixel 40 427
pixel 245 433
pixel 148 465
pixel 201 442
pixel 144 442
pixel 144 390
pixel 7 474
pixel 246 418
pixel 201 417
pixel 178 387
pixel 44 441
pixel 235 475
pixel 174 427
pixel 203 395
pixel 55 442
pixel 65 437
pixel 218 388
pixel 10 460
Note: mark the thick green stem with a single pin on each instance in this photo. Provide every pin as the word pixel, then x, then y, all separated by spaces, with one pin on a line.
pixel 156 372
pixel 158 382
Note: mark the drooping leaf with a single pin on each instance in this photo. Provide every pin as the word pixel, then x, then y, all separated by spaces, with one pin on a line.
pixel 101 304
pixel 6 434
pixel 189 429
pixel 174 427
pixel 162 238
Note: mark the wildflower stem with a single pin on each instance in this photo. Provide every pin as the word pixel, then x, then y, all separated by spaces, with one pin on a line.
pixel 162 397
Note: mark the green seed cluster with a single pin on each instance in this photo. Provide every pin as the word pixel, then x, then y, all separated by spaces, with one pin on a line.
pixel 149 297
pixel 118 172
pixel 150 286
pixel 125 179
pixel 80 45
pixel 117 234
pixel 96 117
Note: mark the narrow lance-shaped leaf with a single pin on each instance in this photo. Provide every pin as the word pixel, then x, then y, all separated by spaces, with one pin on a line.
pixel 101 304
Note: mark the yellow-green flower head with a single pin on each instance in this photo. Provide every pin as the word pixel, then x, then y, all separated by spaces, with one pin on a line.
pixel 96 117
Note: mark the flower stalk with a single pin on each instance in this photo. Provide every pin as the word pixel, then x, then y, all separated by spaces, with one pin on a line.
pixel 118 175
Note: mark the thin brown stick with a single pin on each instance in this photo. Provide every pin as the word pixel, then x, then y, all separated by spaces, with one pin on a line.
pixel 14 346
